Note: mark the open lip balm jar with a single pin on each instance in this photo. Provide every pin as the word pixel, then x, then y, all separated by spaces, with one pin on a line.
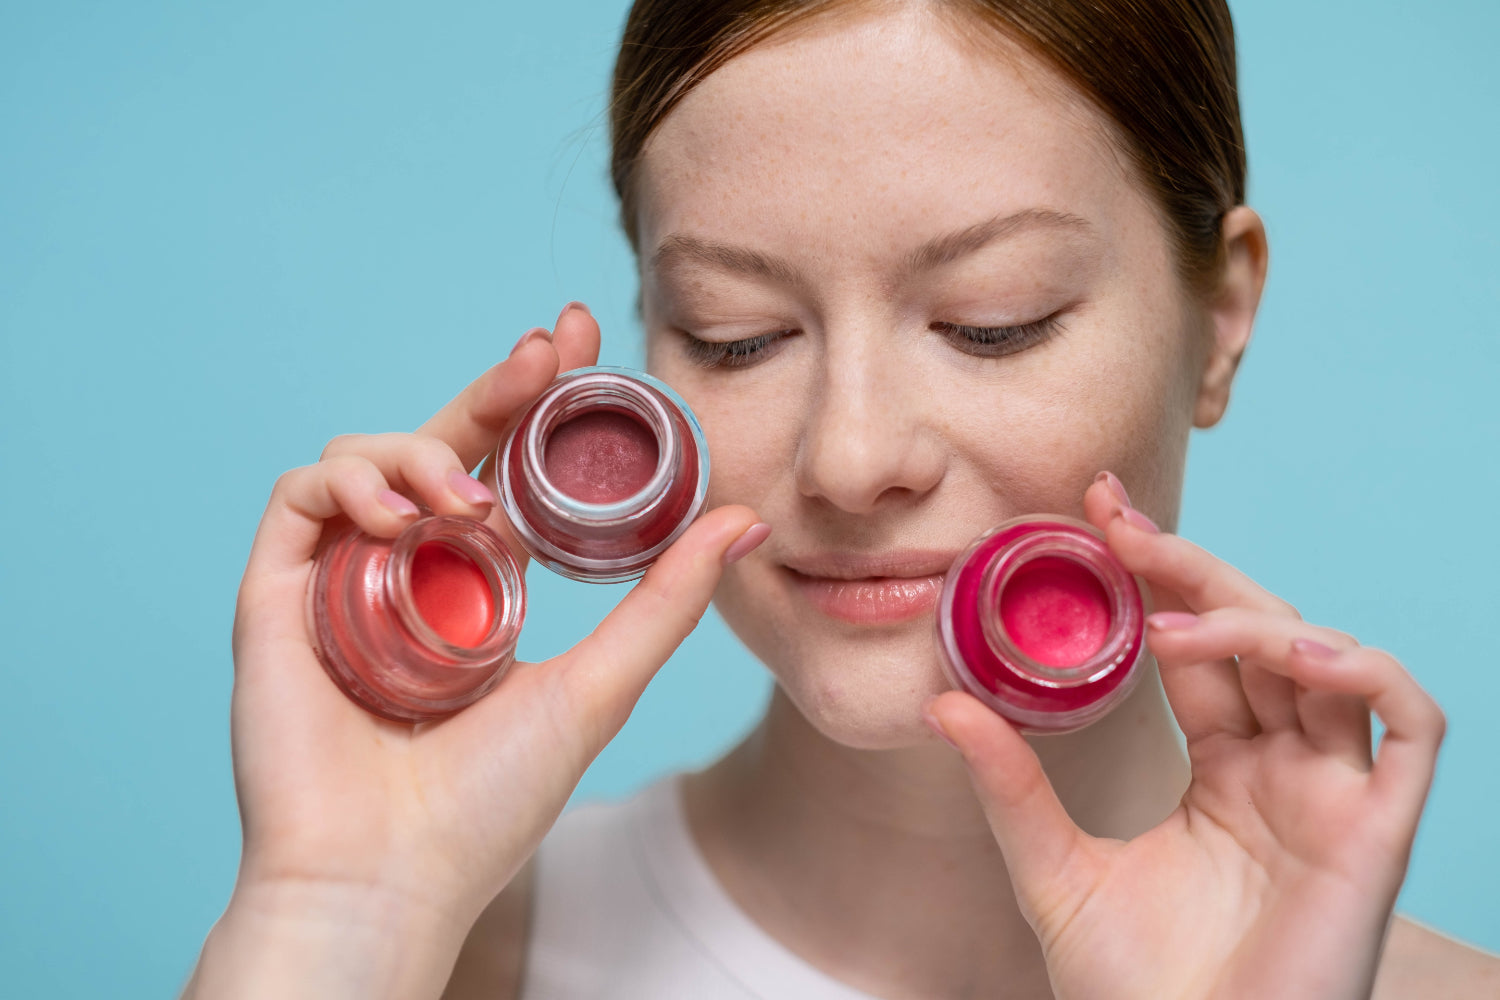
pixel 418 626
pixel 605 470
pixel 1042 623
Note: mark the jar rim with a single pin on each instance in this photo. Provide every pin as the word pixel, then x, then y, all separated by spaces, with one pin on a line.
pixel 1088 552
pixel 576 392
pixel 1015 692
pixel 481 546
pixel 532 503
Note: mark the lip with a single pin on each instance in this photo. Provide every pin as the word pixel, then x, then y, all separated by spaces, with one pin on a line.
pixel 879 589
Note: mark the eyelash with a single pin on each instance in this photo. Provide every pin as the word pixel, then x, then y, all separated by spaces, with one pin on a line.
pixel 998 341
pixel 980 341
pixel 730 353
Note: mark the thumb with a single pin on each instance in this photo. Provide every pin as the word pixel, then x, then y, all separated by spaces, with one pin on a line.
pixel 1036 835
pixel 604 674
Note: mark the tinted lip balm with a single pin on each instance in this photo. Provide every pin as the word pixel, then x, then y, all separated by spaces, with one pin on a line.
pixel 419 626
pixel 1040 621
pixel 601 456
pixel 605 470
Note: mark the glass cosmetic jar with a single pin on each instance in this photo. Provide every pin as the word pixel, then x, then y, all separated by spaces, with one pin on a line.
pixel 1039 621
pixel 604 471
pixel 421 625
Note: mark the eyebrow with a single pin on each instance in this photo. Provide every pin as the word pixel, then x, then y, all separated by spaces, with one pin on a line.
pixel 946 249
pixel 678 249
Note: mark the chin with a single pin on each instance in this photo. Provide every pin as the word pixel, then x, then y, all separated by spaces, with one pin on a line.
pixel 865 692
pixel 895 723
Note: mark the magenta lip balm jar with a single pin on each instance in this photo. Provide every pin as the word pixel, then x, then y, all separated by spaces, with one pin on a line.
pixel 1042 623
pixel 419 626
pixel 605 470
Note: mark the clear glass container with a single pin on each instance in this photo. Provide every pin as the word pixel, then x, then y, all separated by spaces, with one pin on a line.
pixel 419 626
pixel 1042 623
pixel 604 471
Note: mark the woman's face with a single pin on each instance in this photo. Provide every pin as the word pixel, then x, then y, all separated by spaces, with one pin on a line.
pixel 911 287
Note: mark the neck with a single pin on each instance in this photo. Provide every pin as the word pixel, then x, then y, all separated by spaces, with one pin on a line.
pixel 810 837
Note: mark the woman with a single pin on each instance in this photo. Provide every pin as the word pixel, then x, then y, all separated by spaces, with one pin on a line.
pixel 918 267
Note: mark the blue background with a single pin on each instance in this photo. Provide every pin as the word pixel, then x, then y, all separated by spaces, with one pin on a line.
pixel 230 232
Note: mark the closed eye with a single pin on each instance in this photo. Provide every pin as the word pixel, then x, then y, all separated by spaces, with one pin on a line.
pixel 732 353
pixel 980 341
pixel 998 341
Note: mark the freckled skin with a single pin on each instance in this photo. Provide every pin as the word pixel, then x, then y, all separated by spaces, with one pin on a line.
pixel 867 430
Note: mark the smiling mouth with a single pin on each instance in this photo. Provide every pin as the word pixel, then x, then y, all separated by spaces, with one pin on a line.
pixel 871 600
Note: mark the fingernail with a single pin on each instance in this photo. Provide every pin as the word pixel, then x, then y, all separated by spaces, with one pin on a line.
pixel 1115 487
pixel 397 504
pixel 1171 621
pixel 1136 519
pixel 1314 650
pixel 746 543
pixel 468 489
pixel 530 335
pixel 575 305
pixel 937 727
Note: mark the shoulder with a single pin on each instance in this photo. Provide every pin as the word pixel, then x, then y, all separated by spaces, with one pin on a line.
pixel 1421 964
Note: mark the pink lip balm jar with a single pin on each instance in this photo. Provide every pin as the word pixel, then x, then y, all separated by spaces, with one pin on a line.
pixel 607 468
pixel 1039 621
pixel 418 626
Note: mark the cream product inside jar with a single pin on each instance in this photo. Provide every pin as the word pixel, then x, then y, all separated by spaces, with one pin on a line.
pixel 1039 620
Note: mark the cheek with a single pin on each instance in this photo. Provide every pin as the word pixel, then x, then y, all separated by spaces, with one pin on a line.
pixel 1116 399
pixel 751 449
pixel 1137 413
pixel 753 422
pixel 1154 413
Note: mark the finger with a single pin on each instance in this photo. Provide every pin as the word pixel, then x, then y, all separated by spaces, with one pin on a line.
pixel 303 499
pixel 1414 724
pixel 1209 698
pixel 360 478
pixel 576 340
pixel 1272 697
pixel 1261 636
pixel 605 673
pixel 423 467
pixel 1104 498
pixel 1169 562
pixel 473 422
pixel 1337 725
pixel 1264 644
pixel 1240 698
pixel 1035 833
pixel 1205 696
pixel 576 337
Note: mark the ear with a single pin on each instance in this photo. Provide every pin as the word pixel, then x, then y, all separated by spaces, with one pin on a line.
pixel 1231 310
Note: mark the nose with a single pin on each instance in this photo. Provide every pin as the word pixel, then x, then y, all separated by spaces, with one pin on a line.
pixel 868 441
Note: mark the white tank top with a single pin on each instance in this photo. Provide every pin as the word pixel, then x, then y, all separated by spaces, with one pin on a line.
pixel 626 908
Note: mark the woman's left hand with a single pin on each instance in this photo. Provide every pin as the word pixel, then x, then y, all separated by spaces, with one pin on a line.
pixel 1277 874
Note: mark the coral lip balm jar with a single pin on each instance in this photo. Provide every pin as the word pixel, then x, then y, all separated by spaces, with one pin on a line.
pixel 604 471
pixel 419 626
pixel 1041 622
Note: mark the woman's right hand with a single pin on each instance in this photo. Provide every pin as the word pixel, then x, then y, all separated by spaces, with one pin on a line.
pixel 371 846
